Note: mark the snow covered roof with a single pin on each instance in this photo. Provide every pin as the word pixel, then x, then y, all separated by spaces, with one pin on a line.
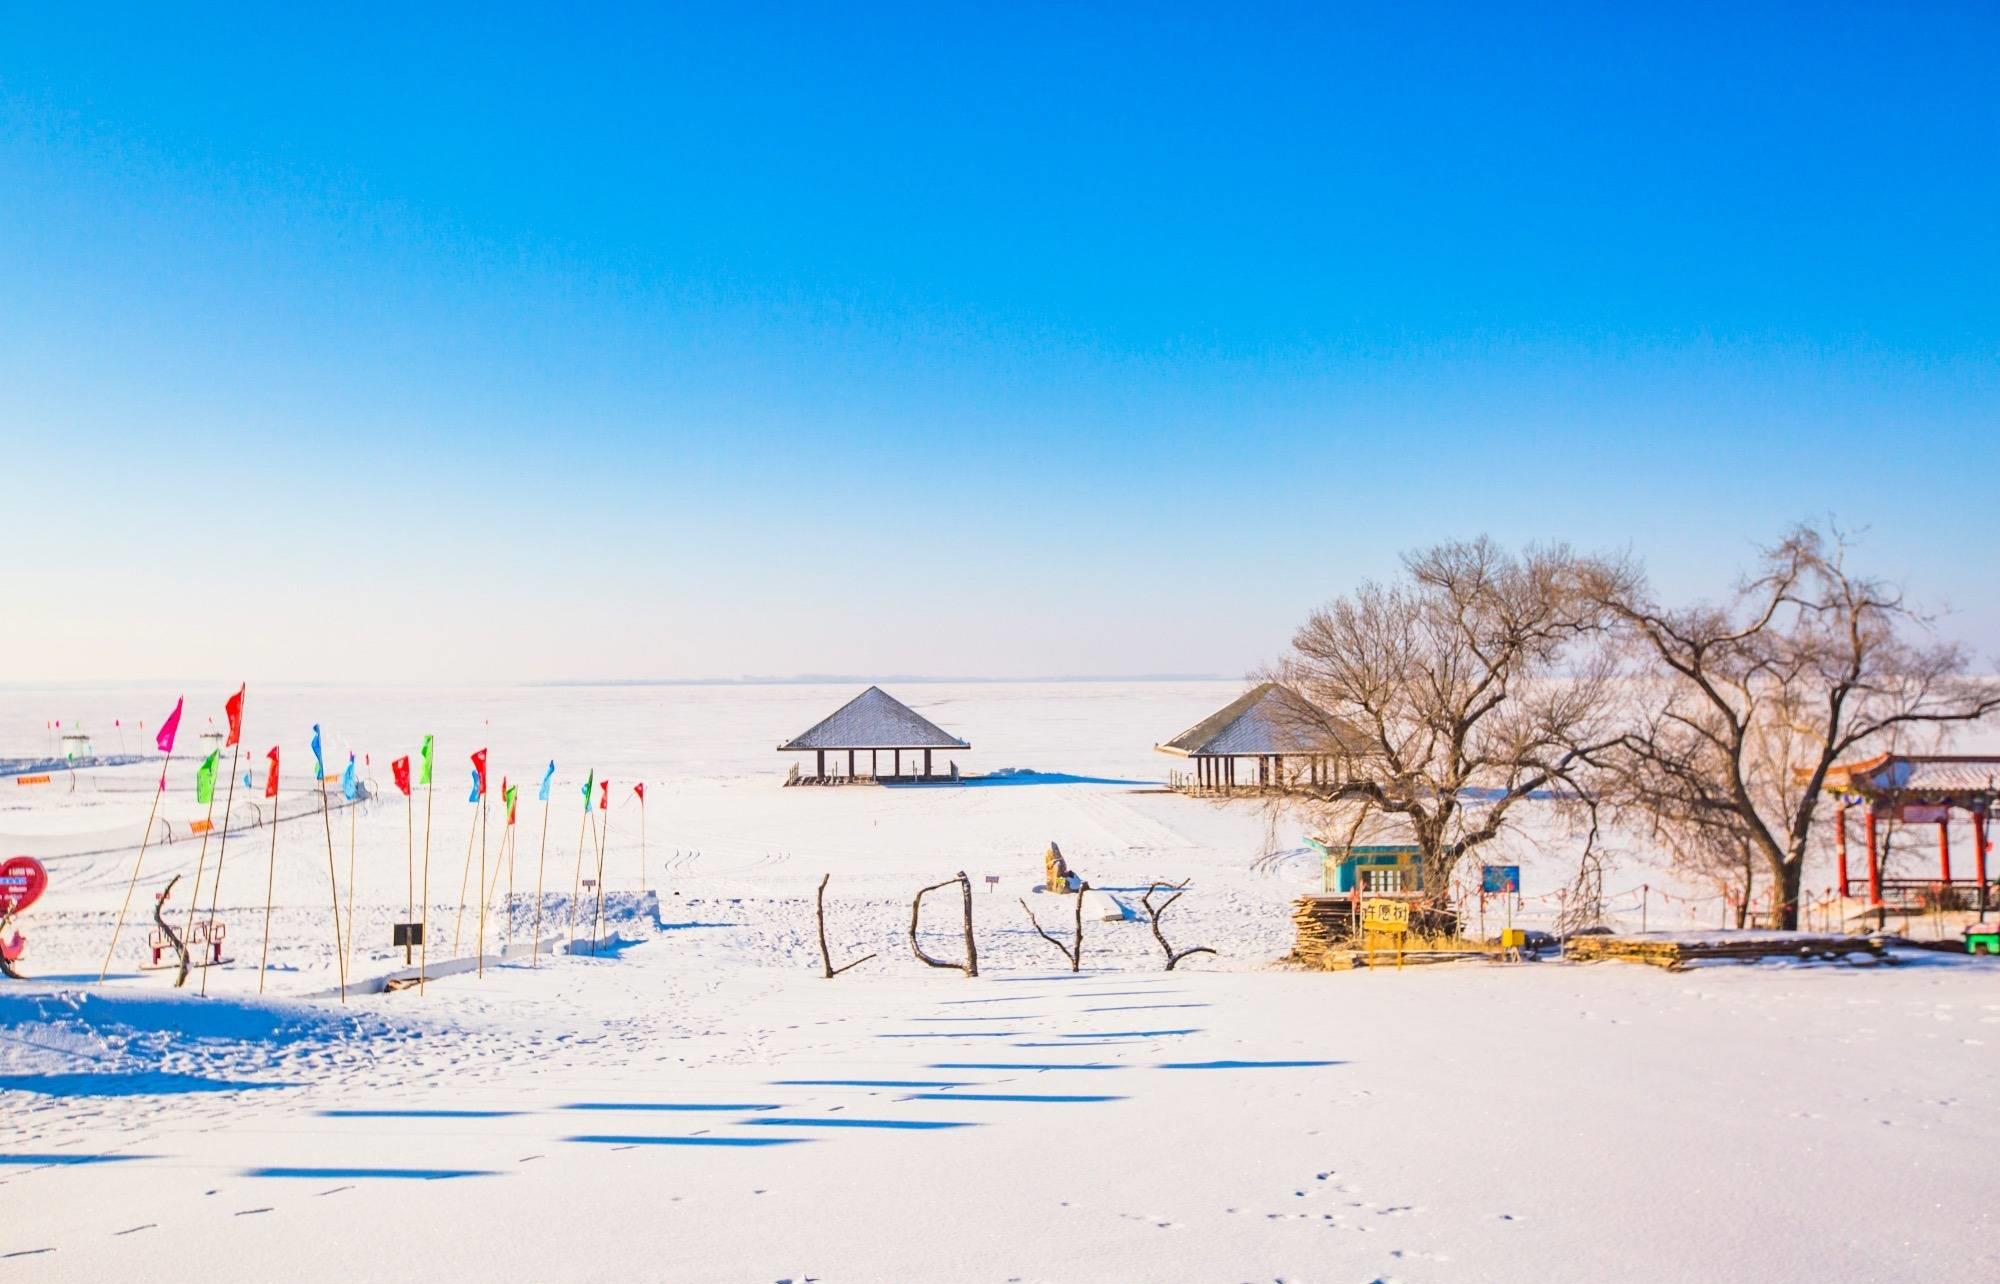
pixel 1267 719
pixel 875 720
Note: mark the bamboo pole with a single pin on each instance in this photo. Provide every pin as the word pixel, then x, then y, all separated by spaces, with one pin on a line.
pixel 576 879
pixel 458 923
pixel 424 946
pixel 409 865
pixel 352 820
pixel 479 961
pixel 603 844
pixel 194 892
pixel 541 863
pixel 270 882
pixel 642 846
pixel 513 848
pixel 144 839
pixel 332 882
pixel 221 852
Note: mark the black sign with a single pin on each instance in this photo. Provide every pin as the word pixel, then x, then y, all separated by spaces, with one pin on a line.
pixel 409 934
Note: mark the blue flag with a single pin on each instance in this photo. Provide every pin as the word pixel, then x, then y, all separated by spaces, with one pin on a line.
pixel 319 763
pixel 475 786
pixel 547 776
pixel 350 789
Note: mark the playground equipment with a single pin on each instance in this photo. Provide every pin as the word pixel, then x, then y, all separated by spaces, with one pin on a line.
pixel 202 948
pixel 1982 938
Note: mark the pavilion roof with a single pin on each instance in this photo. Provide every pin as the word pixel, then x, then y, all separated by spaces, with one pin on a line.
pixel 1266 719
pixel 1913 776
pixel 875 720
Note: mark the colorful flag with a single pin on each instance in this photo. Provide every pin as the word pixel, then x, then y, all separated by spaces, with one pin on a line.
pixel 478 774
pixel 401 770
pixel 350 788
pixel 604 799
pixel 271 781
pixel 319 762
pixel 165 740
pixel 640 789
pixel 204 778
pixel 233 707
pixel 588 785
pixel 425 777
pixel 508 796
pixel 547 776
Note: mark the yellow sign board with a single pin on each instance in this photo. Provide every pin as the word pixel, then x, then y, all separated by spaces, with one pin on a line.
pixel 1385 916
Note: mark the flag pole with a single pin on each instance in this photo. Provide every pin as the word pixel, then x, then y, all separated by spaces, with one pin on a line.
pixel 541 863
pixel 603 842
pixel 479 961
pixel 352 818
pixel 513 847
pixel 133 883
pixel 576 879
pixel 424 946
pixel 332 880
pixel 194 894
pixel 221 853
pixel 642 846
pixel 270 881
pixel 458 922
pixel 409 862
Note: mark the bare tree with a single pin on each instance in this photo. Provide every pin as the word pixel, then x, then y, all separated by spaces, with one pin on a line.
pixel 971 965
pixel 1178 889
pixel 1450 697
pixel 1073 951
pixel 1807 663
pixel 827 969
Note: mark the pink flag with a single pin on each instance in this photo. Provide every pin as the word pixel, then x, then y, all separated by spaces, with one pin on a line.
pixel 167 729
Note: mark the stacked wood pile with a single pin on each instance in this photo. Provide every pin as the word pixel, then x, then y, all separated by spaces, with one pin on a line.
pixel 1328 934
pixel 1676 952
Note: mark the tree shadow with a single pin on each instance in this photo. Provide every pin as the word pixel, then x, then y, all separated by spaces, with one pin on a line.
pixel 393 1174
pixel 1244 1065
pixel 145 1083
pixel 615 1139
pixel 698 1106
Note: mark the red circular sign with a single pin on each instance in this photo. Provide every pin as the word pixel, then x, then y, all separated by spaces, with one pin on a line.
pixel 22 882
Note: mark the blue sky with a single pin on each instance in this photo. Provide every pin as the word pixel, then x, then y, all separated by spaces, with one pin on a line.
pixel 501 344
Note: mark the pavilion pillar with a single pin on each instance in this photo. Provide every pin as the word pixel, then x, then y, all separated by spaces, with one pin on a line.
pixel 1944 847
pixel 1840 847
pixel 822 763
pixel 927 764
pixel 1979 855
pixel 850 764
pixel 897 770
pixel 874 764
pixel 1874 862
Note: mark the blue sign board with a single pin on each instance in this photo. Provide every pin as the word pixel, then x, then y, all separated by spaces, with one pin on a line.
pixel 1495 880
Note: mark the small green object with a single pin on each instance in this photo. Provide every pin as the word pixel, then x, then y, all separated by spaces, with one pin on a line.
pixel 1982 939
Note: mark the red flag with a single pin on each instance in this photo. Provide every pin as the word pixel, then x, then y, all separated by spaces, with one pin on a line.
pixel 604 799
pixel 271 781
pixel 165 740
pixel 401 768
pixel 233 706
pixel 479 767
pixel 640 789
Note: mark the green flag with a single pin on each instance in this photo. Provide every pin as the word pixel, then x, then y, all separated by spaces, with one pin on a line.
pixel 204 778
pixel 424 778
pixel 588 781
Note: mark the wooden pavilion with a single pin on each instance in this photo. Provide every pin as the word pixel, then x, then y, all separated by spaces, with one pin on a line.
pixel 1282 740
pixel 874 723
pixel 1915 790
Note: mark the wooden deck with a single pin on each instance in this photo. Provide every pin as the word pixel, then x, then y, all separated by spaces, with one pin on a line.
pixel 1676 950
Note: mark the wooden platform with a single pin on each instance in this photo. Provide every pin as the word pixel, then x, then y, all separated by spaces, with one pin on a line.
pixel 1676 950
pixel 1326 934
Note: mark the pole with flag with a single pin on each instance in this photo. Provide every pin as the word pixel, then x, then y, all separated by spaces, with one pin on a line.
pixel 509 796
pixel 204 792
pixel 603 842
pixel 350 791
pixel 165 742
pixel 271 875
pixel 400 769
pixel 640 790
pixel 424 946
pixel 576 880
pixel 332 879
pixel 541 863
pixel 471 837
pixel 233 707
pixel 479 962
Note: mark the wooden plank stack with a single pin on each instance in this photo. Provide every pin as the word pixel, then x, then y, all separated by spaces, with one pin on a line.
pixel 1676 952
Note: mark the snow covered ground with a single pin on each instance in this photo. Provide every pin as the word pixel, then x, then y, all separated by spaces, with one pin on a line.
pixel 696 1104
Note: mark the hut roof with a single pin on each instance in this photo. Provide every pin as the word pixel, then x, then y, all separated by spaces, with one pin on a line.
pixel 875 720
pixel 1266 719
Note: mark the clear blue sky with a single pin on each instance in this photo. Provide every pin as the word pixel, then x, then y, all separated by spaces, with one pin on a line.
pixel 499 343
